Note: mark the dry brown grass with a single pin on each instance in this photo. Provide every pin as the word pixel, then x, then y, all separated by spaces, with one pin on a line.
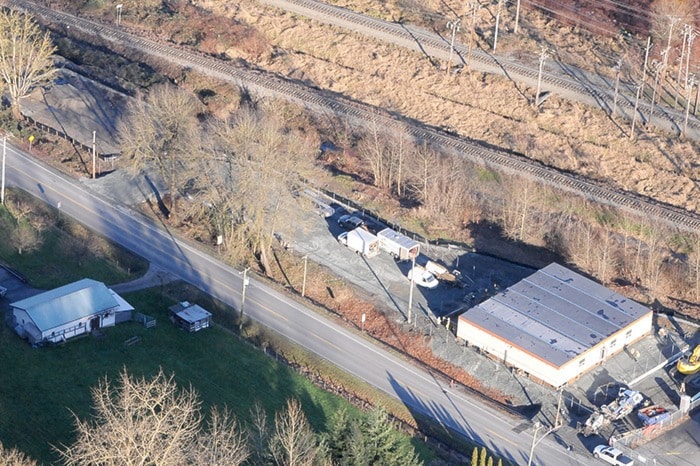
pixel 484 108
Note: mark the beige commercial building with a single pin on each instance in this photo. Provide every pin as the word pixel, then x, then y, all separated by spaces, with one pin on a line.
pixel 555 325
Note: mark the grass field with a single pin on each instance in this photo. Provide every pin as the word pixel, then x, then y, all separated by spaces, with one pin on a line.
pixel 67 251
pixel 40 387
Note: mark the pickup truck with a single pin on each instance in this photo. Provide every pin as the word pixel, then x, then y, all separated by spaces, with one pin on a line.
pixel 612 456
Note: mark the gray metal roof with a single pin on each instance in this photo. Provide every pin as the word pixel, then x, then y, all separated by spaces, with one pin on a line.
pixel 398 238
pixel 193 313
pixel 67 303
pixel 555 314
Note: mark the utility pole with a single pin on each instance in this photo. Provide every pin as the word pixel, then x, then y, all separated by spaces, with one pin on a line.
pixel 474 7
pixel 687 30
pixel 646 61
pixel 636 106
pixel 94 153
pixel 245 285
pixel 538 426
pixel 543 56
pixel 658 66
pixel 454 26
pixel 498 19
pixel 410 291
pixel 2 185
pixel 691 38
pixel 303 283
pixel 517 17
pixel 689 85
pixel 618 69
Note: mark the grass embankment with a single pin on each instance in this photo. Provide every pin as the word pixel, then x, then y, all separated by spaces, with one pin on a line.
pixel 65 251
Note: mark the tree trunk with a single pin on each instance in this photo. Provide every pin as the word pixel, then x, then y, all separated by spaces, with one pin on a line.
pixel 17 111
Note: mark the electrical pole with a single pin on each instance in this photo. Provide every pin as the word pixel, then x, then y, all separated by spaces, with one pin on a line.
pixel 646 61
pixel 2 186
pixel 498 19
pixel 634 114
pixel 454 26
pixel 474 6
pixel 410 291
pixel 689 84
pixel 517 17
pixel 658 66
pixel 618 69
pixel 303 283
pixel 687 30
pixel 538 426
pixel 543 56
pixel 245 284
pixel 94 152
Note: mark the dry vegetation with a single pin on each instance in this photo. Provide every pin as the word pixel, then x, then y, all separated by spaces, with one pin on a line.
pixel 459 198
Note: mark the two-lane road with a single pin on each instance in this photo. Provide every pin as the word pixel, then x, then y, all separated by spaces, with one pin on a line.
pixel 415 387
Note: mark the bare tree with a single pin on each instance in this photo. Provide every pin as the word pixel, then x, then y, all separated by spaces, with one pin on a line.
pixel 25 56
pixel 138 422
pixel 293 442
pixel 223 443
pixel 14 457
pixel 25 238
pixel 162 132
pixel 251 181
pixel 153 422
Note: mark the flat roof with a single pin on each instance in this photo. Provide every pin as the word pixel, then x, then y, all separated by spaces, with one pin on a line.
pixel 555 314
pixel 190 312
pixel 399 238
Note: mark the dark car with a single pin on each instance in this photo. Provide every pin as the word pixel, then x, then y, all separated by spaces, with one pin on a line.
pixel 350 222
pixel 371 225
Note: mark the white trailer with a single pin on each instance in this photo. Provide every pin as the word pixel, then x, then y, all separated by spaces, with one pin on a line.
pixel 361 241
pixel 400 246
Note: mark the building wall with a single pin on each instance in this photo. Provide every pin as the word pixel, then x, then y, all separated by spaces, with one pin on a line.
pixel 554 376
pixel 68 330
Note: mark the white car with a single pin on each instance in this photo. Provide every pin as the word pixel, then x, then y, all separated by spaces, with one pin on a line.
pixel 422 277
pixel 612 455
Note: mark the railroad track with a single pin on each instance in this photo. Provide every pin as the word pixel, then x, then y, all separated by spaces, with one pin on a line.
pixel 270 85
pixel 569 81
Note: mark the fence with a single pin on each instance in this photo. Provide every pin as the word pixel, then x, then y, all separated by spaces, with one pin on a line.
pixel 393 226
pixel 147 321
pixel 638 437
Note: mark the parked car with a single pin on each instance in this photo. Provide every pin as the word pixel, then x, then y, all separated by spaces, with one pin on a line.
pixel 422 277
pixel 612 455
pixel 370 224
pixel 350 222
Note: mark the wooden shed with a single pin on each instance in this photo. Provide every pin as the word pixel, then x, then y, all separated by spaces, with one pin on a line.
pixel 190 317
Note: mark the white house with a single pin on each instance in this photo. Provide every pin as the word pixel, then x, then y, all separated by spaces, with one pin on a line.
pixel 555 325
pixel 68 311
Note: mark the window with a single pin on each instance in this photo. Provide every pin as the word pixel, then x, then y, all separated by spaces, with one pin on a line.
pixel 582 362
pixel 613 343
pixel 628 334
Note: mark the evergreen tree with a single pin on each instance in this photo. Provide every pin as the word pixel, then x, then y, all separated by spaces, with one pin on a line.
pixel 475 457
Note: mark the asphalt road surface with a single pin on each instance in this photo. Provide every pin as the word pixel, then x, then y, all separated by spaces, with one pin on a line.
pixel 418 389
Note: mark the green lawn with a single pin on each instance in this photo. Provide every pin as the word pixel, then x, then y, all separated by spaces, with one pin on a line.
pixel 68 252
pixel 39 387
